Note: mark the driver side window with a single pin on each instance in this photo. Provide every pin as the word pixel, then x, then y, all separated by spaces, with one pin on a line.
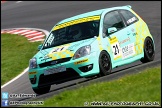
pixel 112 19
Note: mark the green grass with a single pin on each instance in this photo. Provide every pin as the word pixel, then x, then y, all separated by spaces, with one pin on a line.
pixel 141 87
pixel 16 51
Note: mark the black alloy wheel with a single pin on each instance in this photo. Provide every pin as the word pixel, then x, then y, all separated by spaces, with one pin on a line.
pixel 149 51
pixel 104 63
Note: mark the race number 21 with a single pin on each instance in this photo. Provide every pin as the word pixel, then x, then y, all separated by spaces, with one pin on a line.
pixel 59 49
pixel 116 50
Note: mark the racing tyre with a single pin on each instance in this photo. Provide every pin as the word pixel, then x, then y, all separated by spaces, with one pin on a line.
pixel 42 90
pixel 104 63
pixel 149 51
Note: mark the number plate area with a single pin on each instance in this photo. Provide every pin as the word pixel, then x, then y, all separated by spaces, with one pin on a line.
pixel 54 70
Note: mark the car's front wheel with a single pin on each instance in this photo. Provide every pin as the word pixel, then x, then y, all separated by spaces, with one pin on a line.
pixel 104 63
pixel 149 51
pixel 42 90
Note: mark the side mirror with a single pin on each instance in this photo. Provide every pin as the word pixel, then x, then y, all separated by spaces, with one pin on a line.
pixel 39 47
pixel 111 30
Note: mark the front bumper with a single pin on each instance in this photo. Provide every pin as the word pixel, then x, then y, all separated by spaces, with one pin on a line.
pixel 81 67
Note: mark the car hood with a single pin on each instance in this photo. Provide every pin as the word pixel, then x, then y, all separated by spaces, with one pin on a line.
pixel 62 51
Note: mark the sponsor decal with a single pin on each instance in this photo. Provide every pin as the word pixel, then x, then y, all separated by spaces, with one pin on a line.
pixel 80 20
pixel 59 49
pixel 32 73
pixel 134 34
pixel 128 51
pixel 131 20
pixel 125 40
pixel 81 61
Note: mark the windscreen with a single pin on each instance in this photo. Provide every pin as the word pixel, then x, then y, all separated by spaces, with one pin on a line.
pixel 75 32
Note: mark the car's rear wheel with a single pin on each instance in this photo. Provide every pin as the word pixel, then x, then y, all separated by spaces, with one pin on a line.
pixel 149 51
pixel 42 90
pixel 104 63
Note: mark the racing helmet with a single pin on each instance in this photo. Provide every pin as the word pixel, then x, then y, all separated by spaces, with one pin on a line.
pixel 75 31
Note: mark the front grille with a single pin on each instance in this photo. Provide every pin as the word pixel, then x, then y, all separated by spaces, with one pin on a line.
pixel 69 74
pixel 57 62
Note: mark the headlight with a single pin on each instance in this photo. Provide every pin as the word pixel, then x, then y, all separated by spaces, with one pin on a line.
pixel 32 63
pixel 83 51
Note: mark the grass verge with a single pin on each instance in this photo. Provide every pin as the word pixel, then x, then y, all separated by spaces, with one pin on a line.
pixel 16 51
pixel 144 86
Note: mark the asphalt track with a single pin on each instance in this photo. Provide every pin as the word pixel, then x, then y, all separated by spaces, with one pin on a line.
pixel 45 14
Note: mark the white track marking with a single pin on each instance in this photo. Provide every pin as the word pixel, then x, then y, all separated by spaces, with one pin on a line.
pixel 40 36
pixel 22 31
pixel 12 31
pixel 42 30
pixel 16 77
pixel 33 34
pixel 25 32
pixel 29 32
pixel 3 31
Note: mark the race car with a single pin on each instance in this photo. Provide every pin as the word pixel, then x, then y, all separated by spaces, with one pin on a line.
pixel 90 44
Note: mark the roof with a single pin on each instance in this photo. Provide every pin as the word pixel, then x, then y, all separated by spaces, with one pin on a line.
pixel 91 13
